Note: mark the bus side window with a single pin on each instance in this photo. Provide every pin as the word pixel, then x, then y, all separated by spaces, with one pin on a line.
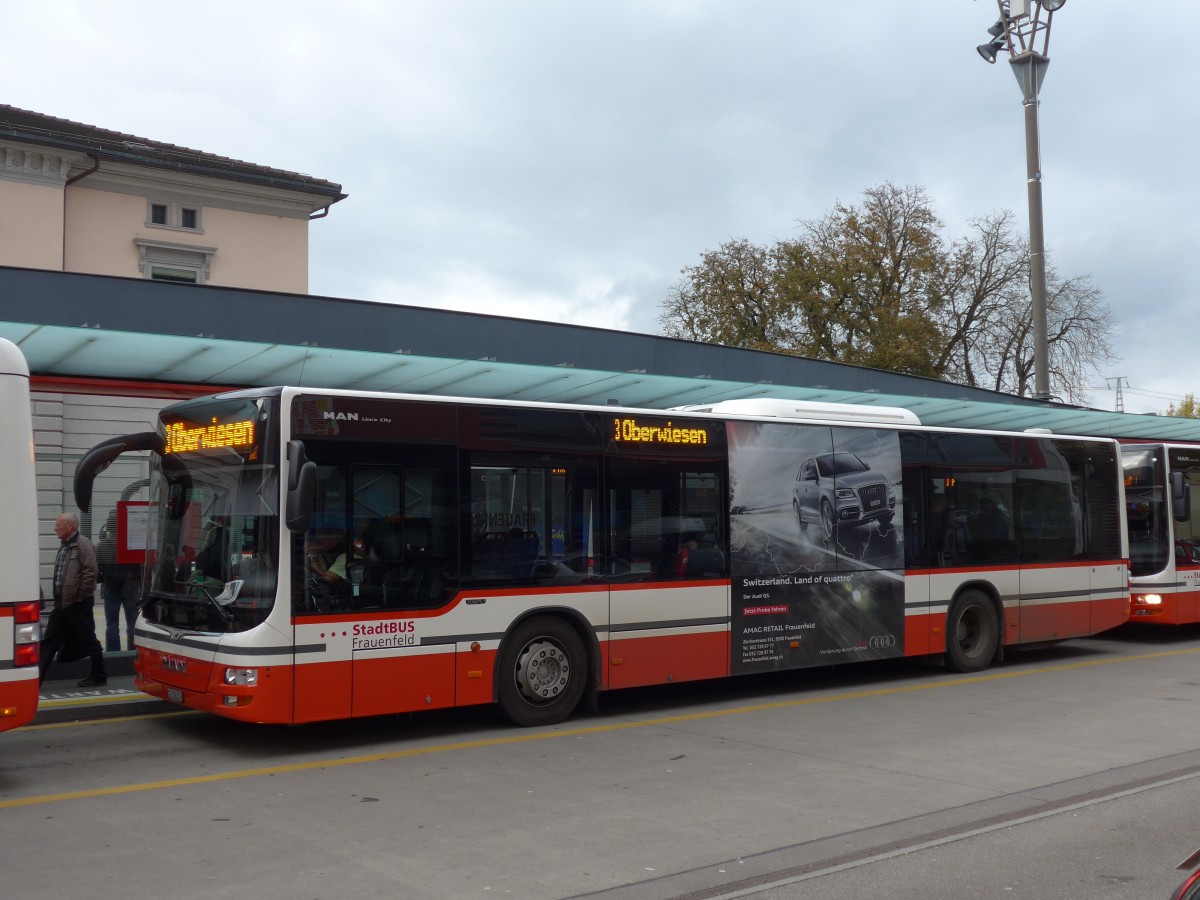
pixel 533 520
pixel 403 554
pixel 667 521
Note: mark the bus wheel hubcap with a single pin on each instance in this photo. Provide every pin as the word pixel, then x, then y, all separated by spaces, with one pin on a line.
pixel 543 671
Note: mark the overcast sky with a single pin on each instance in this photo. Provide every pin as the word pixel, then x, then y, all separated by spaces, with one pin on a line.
pixel 564 159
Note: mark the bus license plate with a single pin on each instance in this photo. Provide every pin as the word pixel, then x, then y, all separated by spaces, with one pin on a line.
pixel 175 695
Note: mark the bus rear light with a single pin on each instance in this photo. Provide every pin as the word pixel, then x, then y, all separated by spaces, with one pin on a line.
pixel 27 655
pixel 27 634
pixel 25 613
pixel 242 677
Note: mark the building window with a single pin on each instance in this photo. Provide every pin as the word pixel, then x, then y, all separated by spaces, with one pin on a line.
pixel 174 216
pixel 168 273
pixel 180 263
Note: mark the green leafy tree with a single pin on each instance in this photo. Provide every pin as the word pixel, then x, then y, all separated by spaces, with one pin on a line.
pixel 864 295
pixel 1187 408
pixel 877 285
pixel 731 297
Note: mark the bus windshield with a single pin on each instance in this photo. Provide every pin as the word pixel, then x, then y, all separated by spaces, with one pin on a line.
pixel 1146 510
pixel 215 516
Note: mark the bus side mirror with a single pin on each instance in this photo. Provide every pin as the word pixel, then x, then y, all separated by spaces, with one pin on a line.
pixel 98 458
pixel 302 488
pixel 1181 497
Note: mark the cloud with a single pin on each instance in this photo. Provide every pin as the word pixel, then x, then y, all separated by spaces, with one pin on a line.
pixel 565 160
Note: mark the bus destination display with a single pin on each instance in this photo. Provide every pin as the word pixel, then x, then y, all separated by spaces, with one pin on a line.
pixel 629 430
pixel 188 437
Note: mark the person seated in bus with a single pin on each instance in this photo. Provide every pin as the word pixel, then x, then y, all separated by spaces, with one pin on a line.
pixel 704 558
pixel 384 539
pixel 165 569
pixel 939 531
pixel 185 564
pixel 364 568
pixel 325 562
pixel 326 559
pixel 989 523
pixel 989 534
pixel 213 560
pixel 520 554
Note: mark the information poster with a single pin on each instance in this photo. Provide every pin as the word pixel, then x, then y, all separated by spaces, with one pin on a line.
pixel 133 530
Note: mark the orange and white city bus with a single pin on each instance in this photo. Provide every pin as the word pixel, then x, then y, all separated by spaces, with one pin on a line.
pixel 324 554
pixel 20 606
pixel 1164 531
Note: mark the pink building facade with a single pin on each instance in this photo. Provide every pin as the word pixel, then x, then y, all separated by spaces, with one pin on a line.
pixel 78 198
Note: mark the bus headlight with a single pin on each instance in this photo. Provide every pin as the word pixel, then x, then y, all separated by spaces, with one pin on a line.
pixel 1151 599
pixel 243 677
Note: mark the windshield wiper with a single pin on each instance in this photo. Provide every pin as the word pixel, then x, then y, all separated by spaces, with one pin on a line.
pixel 217 605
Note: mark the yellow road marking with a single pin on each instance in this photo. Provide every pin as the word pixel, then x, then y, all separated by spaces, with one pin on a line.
pixel 112 720
pixel 131 697
pixel 525 737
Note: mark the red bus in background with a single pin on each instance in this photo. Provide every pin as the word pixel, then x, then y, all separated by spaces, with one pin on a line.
pixel 325 554
pixel 1164 531
pixel 20 604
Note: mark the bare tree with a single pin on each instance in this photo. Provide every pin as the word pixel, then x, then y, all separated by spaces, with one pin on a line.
pixel 988 320
pixel 1079 333
pixel 984 277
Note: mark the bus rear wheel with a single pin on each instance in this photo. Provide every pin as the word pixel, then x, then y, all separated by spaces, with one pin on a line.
pixel 972 632
pixel 543 672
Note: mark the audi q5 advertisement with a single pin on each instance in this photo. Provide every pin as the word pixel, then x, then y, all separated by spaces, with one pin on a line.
pixel 817 548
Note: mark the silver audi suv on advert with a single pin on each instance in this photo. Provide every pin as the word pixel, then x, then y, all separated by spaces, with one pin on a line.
pixel 836 489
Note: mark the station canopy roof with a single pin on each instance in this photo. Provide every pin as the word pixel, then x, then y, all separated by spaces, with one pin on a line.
pixel 82 327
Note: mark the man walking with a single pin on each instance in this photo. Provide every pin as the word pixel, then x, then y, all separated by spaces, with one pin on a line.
pixel 74 590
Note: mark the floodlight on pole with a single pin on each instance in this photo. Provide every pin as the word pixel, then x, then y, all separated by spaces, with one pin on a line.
pixel 1026 35
pixel 990 50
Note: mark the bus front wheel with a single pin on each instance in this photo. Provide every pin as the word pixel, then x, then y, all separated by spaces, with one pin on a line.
pixel 972 632
pixel 543 672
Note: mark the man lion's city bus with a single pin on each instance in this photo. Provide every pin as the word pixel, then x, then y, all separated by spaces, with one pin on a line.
pixel 20 605
pixel 323 554
pixel 1164 531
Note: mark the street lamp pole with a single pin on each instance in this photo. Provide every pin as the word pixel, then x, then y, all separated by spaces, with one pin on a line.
pixel 1029 70
pixel 1020 28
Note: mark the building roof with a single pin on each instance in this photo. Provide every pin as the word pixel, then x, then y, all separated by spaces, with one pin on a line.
pixel 103 144
pixel 76 328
